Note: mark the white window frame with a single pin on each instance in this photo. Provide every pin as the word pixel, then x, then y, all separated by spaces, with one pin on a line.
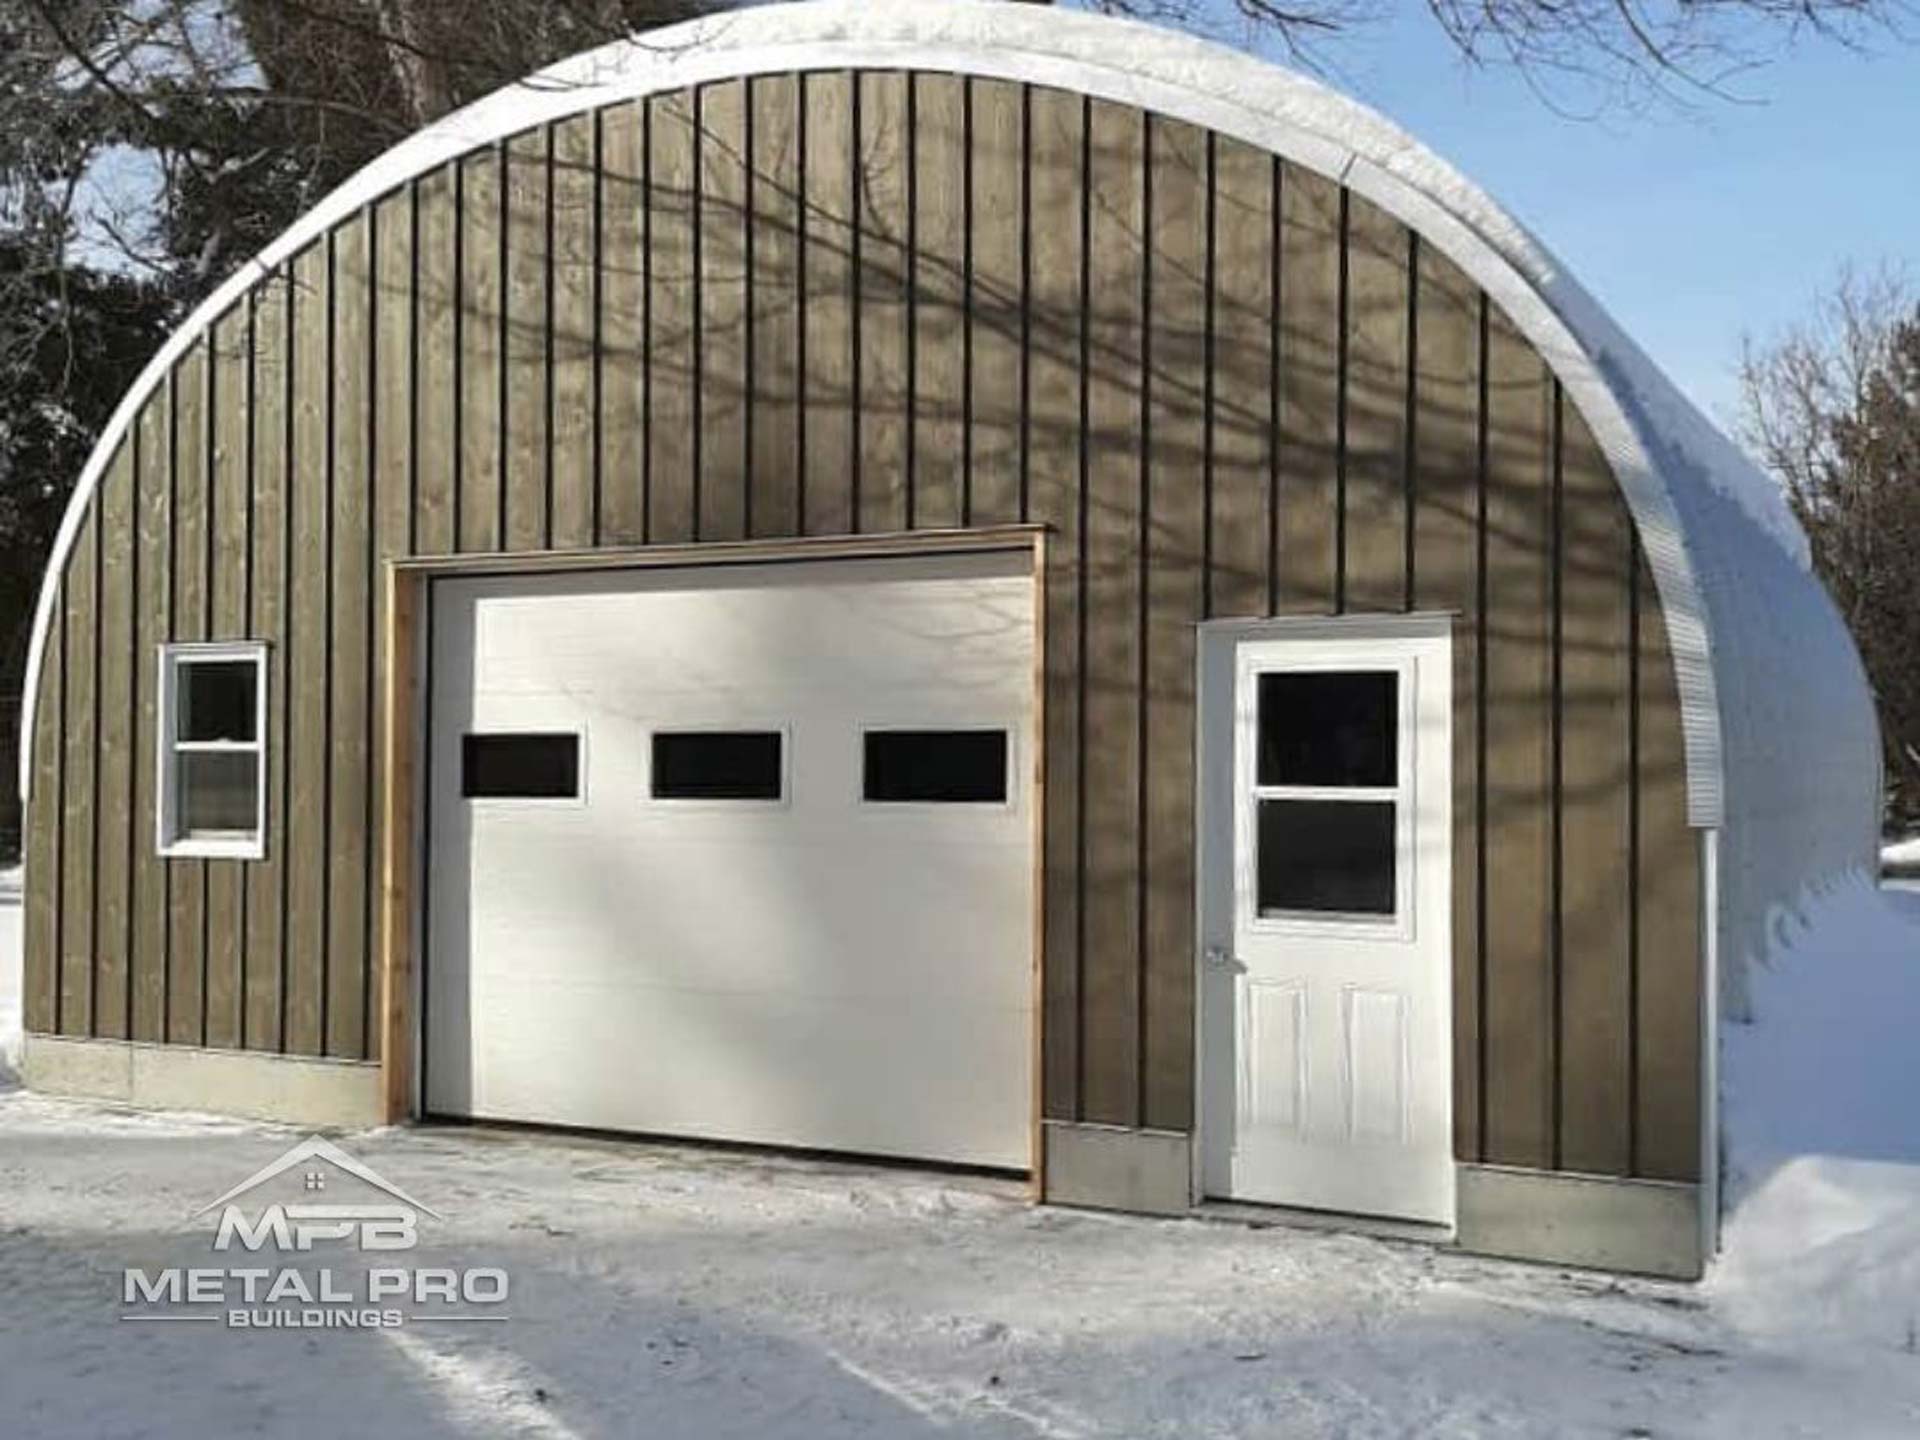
pixel 225 845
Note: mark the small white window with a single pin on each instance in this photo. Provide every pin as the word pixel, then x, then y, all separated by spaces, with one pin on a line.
pixel 213 753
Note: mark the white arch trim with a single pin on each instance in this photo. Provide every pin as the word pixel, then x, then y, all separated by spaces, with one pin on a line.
pixel 1129 63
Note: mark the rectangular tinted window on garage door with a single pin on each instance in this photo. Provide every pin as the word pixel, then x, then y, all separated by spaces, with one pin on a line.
pixel 716 765
pixel 520 766
pixel 936 766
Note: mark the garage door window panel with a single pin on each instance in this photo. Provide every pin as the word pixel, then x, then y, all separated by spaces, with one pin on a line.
pixel 521 765
pixel 212 750
pixel 935 767
pixel 719 765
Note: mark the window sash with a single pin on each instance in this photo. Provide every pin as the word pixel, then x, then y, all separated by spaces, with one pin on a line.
pixel 172 838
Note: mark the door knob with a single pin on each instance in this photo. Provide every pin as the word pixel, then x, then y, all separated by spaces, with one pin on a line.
pixel 1220 955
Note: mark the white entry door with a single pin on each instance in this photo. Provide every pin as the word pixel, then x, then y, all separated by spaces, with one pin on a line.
pixel 1325 974
pixel 738 852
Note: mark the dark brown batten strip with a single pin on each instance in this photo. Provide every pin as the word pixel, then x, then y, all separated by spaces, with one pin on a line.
pixel 646 322
pixel 747 357
pixel 1480 712
pixel 1142 1036
pixel 413 367
pixel 1556 755
pixel 1081 507
pixel 1026 302
pixel 966 302
pixel 458 440
pixel 503 352
pixel 597 359
pixel 1276 396
pixel 286 647
pixel 1409 466
pixel 910 277
pixel 803 398
pixel 697 211
pixel 1342 385
pixel 856 286
pixel 547 367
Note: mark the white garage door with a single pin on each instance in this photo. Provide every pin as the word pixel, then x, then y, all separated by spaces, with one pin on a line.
pixel 737 852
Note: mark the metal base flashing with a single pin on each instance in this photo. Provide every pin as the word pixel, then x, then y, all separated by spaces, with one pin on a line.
pixel 1600 1222
pixel 1108 1167
pixel 290 1089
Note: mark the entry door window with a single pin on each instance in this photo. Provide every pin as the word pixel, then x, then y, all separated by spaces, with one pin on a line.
pixel 1329 793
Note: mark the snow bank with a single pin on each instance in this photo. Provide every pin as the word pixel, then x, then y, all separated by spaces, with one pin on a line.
pixel 1902 857
pixel 1821 1107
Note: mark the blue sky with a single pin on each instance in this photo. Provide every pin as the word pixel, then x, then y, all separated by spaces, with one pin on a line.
pixel 1691 228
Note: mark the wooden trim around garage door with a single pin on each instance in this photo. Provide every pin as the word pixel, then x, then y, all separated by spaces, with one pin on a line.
pixel 401 800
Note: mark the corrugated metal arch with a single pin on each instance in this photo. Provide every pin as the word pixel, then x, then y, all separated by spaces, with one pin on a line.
pixel 1188 79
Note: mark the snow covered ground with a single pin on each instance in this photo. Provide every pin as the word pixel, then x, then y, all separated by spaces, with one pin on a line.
pixel 668 1292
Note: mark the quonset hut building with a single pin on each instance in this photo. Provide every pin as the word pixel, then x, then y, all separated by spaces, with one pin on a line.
pixel 952 581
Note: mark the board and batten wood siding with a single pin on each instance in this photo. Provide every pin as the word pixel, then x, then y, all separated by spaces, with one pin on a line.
pixel 839 303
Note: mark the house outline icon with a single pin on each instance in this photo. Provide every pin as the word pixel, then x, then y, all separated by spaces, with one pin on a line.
pixel 315 1148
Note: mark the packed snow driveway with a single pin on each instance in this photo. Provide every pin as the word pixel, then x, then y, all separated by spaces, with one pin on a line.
pixel 676 1292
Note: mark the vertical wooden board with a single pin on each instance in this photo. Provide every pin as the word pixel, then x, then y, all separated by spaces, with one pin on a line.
pixel 436 305
pixel 1052 441
pixel 153 588
pixel 777 455
pixel 672 301
pixel 1519 1014
pixel 1111 968
pixel 880 178
pixel 480 300
pixel 308 644
pixel 266 878
pixel 828 314
pixel 524 510
pixel 40 973
pixel 1596 899
pixel 1667 1019
pixel 1309 315
pixel 349 709
pixel 622 297
pixel 1446 571
pixel 995 301
pixel 230 519
pixel 939 324
pixel 1242 361
pixel 187 879
pixel 229 510
pixel 1376 410
pixel 725 416
pixel 79 630
pixel 1173 562
pixel 573 353
pixel 391 505
pixel 113 815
